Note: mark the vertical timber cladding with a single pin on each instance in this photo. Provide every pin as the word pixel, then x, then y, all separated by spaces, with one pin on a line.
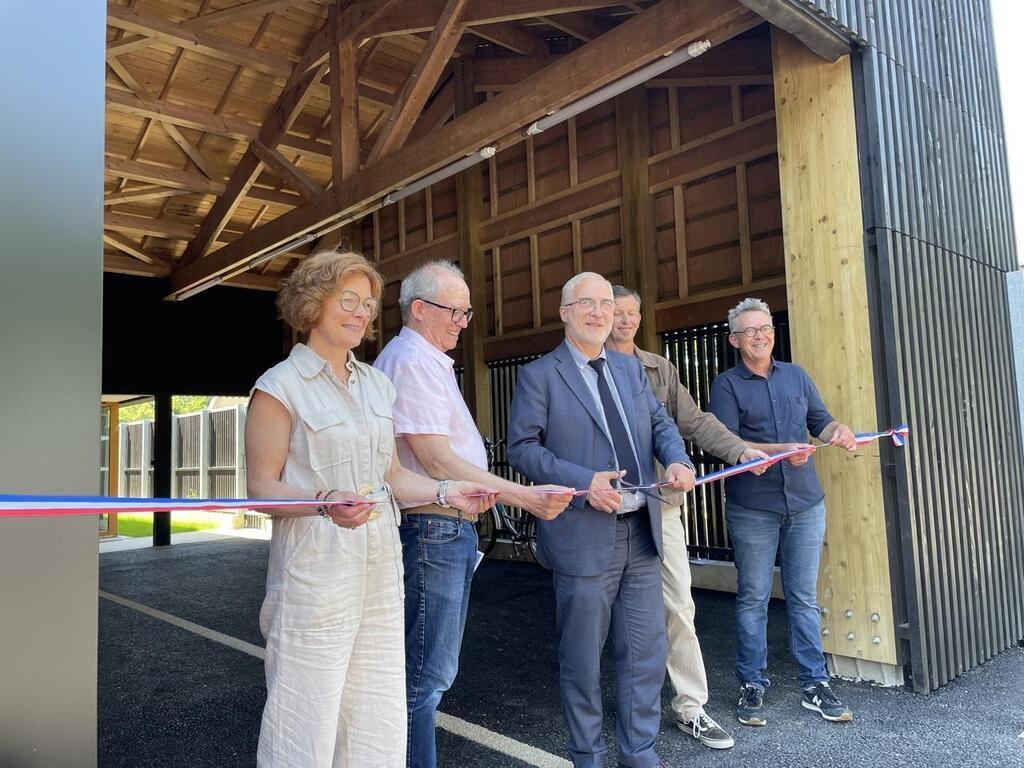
pixel 551 205
pixel 829 332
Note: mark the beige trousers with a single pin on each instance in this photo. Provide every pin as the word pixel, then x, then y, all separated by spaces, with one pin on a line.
pixel 685 662
pixel 335 662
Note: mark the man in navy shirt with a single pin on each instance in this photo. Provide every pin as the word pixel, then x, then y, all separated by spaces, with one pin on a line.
pixel 772 406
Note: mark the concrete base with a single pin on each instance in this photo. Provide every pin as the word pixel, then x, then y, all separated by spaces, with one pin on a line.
pixel 721 577
pixel 860 670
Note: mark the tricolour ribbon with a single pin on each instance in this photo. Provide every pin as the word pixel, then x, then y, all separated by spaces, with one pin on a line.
pixel 15 505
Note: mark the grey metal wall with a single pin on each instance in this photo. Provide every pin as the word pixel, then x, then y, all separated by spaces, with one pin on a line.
pixel 940 236
pixel 51 216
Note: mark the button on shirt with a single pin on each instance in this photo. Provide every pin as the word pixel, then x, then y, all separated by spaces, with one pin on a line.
pixel 781 408
pixel 428 400
pixel 630 501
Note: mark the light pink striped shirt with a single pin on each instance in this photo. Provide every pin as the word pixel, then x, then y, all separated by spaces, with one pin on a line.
pixel 428 399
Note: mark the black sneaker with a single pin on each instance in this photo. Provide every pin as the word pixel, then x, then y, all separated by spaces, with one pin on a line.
pixel 750 710
pixel 705 730
pixel 822 699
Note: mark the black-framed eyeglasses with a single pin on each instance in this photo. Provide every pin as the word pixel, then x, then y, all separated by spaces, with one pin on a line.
pixel 457 314
pixel 350 300
pixel 587 304
pixel 764 330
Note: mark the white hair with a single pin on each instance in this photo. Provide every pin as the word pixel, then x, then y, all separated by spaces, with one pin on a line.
pixel 747 305
pixel 423 283
pixel 570 286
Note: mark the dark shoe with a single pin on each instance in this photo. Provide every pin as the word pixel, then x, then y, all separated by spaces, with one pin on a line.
pixel 750 710
pixel 706 731
pixel 822 699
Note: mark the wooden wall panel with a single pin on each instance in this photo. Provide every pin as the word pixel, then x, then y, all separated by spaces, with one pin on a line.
pixel 551 204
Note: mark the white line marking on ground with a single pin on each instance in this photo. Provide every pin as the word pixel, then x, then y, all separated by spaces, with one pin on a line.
pixel 507 746
pixel 209 634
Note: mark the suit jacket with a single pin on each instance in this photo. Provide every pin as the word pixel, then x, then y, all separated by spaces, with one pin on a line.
pixel 555 436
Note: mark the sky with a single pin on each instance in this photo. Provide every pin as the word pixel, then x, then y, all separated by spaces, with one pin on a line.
pixel 1008 22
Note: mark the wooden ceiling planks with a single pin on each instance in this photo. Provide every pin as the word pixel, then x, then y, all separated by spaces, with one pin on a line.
pixel 191 84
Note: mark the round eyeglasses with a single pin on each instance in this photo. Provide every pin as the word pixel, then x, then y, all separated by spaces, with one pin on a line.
pixel 350 301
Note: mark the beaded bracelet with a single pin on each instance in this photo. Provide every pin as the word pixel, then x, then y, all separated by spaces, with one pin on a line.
pixel 323 509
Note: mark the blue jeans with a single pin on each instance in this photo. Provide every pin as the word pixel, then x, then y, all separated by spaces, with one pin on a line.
pixel 439 553
pixel 756 536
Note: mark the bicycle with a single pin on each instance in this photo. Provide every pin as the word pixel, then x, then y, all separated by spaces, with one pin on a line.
pixel 515 525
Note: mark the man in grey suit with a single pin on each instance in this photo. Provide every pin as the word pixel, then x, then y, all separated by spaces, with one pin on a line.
pixel 585 417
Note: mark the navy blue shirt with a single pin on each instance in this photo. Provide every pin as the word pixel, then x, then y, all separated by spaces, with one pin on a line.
pixel 779 409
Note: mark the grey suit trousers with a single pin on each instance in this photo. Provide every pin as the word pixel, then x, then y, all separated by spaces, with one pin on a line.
pixel 627 596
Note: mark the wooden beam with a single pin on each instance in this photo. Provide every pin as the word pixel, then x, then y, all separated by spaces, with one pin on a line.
pixel 145 225
pixel 469 204
pixel 189 182
pixel 357 18
pixel 830 331
pixel 437 114
pixel 199 119
pixel 636 210
pixel 126 265
pixel 125 245
pixel 344 111
pixel 166 177
pixel 279 164
pixel 135 42
pixel 633 44
pixel 422 80
pixel 581 27
pixel 215 46
pixel 410 18
pixel 189 149
pixel 508 35
pixel 139 194
pixel 279 121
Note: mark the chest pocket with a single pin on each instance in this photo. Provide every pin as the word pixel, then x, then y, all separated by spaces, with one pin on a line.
pixel 328 438
pixel 386 431
pixel 797 411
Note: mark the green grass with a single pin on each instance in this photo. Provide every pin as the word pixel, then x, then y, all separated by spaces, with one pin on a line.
pixel 136 524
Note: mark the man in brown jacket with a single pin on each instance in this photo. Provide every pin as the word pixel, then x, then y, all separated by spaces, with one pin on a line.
pixel 685 662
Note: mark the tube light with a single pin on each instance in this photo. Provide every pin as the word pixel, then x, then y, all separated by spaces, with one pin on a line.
pixel 442 173
pixel 655 68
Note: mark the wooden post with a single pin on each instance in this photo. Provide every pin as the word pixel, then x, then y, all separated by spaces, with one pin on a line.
pixel 829 328
pixel 469 194
pixel 204 453
pixel 639 261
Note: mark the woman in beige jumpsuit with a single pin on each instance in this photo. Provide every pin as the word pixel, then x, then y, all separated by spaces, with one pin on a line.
pixel 320 427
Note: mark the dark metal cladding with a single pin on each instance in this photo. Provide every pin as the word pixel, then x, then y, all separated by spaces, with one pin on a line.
pixel 940 244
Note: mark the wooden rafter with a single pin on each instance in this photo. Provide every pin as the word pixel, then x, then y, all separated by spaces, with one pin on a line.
pixel 641 39
pixel 280 165
pixel 417 89
pixel 203 21
pixel 206 121
pixel 218 47
pixel 434 116
pixel 508 35
pixel 139 194
pixel 125 245
pixel 279 121
pixel 578 25
pixel 410 18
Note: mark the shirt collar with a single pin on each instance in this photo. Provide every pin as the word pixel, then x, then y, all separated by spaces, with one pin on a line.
pixel 424 346
pixel 579 357
pixel 746 373
pixel 309 364
pixel 647 359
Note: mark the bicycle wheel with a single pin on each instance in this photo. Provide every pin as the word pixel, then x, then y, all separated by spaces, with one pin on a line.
pixel 486 531
pixel 531 540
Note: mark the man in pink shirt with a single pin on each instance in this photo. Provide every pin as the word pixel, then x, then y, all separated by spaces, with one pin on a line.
pixel 436 436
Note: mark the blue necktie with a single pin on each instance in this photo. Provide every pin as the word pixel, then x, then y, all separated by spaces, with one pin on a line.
pixel 620 438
